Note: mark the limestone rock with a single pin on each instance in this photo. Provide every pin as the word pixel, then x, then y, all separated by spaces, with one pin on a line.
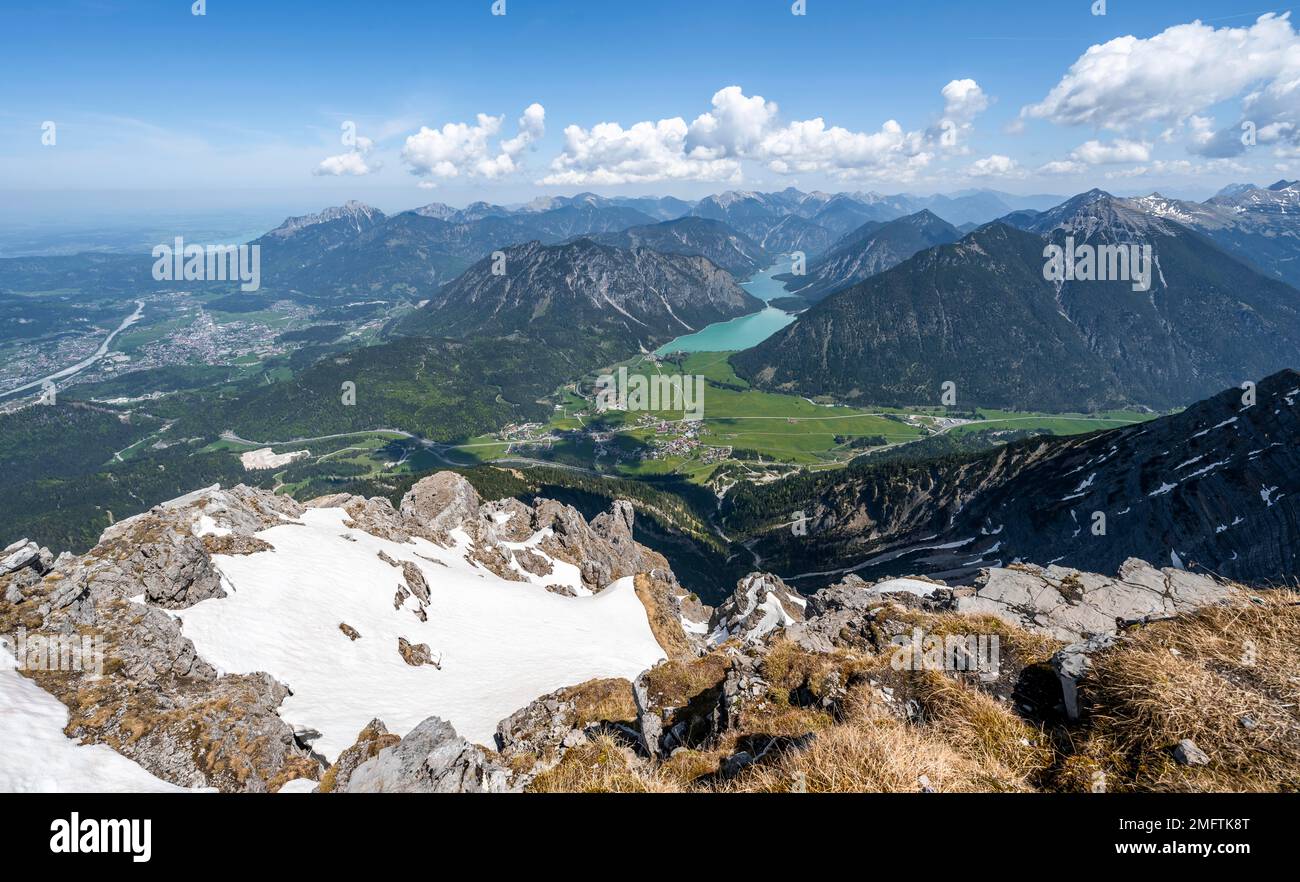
pixel 234 543
pixel 838 616
pixel 416 654
pixel 1188 754
pixel 377 517
pixel 372 739
pixel 535 737
pixel 176 574
pixel 760 604
pixel 1071 605
pixel 441 502
pixel 19 555
pixel 415 581
pixel 603 551
pixel 1073 663
pixel 432 758
pixel 648 717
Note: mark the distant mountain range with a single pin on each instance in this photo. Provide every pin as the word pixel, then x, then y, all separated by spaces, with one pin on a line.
pixel 814 223
pixel 733 251
pixel 981 314
pixel 657 207
pixel 903 301
pixel 1214 487
pixel 1257 224
pixel 356 250
pixel 870 249
pixel 584 295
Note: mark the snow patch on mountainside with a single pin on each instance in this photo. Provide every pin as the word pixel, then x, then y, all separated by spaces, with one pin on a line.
pixel 499 643
pixel 918 587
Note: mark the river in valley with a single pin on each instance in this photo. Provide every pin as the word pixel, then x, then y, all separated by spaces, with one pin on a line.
pixel 85 363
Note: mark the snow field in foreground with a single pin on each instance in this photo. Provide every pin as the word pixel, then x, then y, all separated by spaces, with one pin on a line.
pixel 501 644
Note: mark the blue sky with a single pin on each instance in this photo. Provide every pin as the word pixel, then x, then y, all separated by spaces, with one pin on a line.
pixel 245 104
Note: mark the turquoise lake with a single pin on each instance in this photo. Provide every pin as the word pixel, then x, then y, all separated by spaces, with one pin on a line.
pixel 746 331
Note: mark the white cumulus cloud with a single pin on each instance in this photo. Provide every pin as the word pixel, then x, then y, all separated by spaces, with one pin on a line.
pixel 964 100
pixel 741 128
pixel 1184 70
pixel 1120 150
pixel 1094 152
pixel 995 166
pixel 735 125
pixel 353 162
pixel 609 154
pixel 459 149
pixel 1062 167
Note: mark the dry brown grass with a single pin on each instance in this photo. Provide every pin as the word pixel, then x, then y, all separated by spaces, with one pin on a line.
pixel 1196 676
pixel 803 692
pixel 1022 648
pixel 788 666
pixel 603 766
pixel 675 683
pixel 873 751
pixel 664 621
pixel 600 701
pixel 1199 677
pixel 981 727
pixel 686 767
pixel 881 755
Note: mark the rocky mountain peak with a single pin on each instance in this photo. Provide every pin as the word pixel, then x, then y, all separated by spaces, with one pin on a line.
pixel 761 603
pixel 438 210
pixel 352 213
pixel 1098 213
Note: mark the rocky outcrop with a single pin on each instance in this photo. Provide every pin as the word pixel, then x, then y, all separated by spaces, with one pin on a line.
pixel 23 554
pixel 649 717
pixel 416 654
pixel 1073 663
pixel 1071 605
pixel 678 703
pixel 760 604
pixel 160 703
pixel 234 543
pixel 415 581
pixel 377 517
pixel 603 551
pixel 837 615
pixel 176 574
pixel 535 737
pixel 22 566
pixel 373 738
pixel 168 550
pixel 442 502
pixel 148 694
pixel 515 540
pixel 432 758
